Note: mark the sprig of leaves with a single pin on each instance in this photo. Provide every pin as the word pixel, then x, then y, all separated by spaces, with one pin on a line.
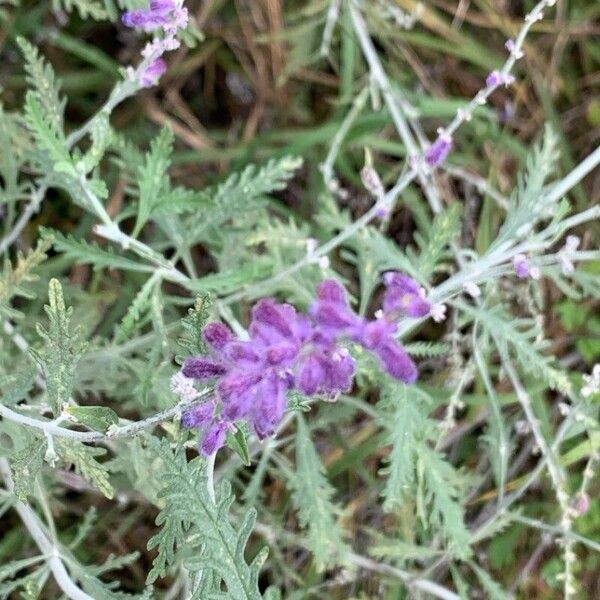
pixel 62 348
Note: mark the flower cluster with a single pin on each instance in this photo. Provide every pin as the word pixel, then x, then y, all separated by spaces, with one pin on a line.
pixel 290 350
pixel 166 15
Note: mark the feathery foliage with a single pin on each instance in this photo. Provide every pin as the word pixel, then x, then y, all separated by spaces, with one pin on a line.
pixel 312 498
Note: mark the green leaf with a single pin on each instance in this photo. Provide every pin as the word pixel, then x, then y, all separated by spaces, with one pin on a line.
pixel 141 304
pixel 443 494
pixel 82 457
pixel 82 252
pixel 527 204
pixel 14 278
pixel 189 511
pixel 520 336
pixel 239 444
pixel 152 176
pixel 15 386
pixel 311 495
pixel 242 193
pixel 62 349
pixel 492 589
pixel 26 464
pixel 98 418
pixel 192 339
pixel 406 426
pixel 48 135
pixel 445 229
pixel 92 8
pixel 40 76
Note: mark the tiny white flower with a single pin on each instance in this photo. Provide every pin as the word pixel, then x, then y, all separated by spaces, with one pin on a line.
pixel 184 387
pixel 438 312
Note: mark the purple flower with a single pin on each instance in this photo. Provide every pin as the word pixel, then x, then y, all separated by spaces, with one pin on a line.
pixel 288 350
pixel 524 269
pixel 496 78
pixel 217 335
pixel 200 416
pixel 332 313
pixel 167 14
pixel 153 73
pixel 493 79
pixel 396 361
pixel 328 373
pixel 214 438
pixel 404 295
pixel 439 150
pixel 202 368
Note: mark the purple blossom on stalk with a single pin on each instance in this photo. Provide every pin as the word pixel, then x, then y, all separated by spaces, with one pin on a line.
pixel 405 295
pixel 524 269
pixel 289 350
pixel 168 15
pixel 496 78
pixel 439 150
pixel 153 73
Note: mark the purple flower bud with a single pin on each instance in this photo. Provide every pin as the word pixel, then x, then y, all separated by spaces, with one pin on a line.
pixel 334 316
pixel 214 438
pixel 376 333
pixel 236 383
pixel 217 335
pixel 271 406
pixel 281 354
pixel 404 294
pixel 397 362
pixel 439 150
pixel 272 322
pixel 521 265
pixel 494 79
pixel 341 368
pixel 202 368
pixel 199 416
pixel 312 375
pixel 153 73
pixel 332 291
pixel 242 354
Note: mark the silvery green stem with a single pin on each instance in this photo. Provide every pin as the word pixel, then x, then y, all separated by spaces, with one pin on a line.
pixel 30 210
pixel 50 550
pixel 128 430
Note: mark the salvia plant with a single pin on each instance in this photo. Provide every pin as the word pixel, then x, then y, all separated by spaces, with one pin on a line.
pixel 235 379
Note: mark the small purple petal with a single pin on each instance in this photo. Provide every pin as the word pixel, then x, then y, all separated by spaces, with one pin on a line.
pixel 494 79
pixel 202 368
pixel 418 307
pixel 271 407
pixel 397 362
pixel 214 438
pixel 334 316
pixel 199 416
pixel 332 291
pixel 272 322
pixel 404 294
pixel 237 383
pixel 153 73
pixel 439 150
pixel 312 375
pixel 281 354
pixel 217 335
pixel 521 265
pixel 376 333
pixel 341 368
pixel 242 354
